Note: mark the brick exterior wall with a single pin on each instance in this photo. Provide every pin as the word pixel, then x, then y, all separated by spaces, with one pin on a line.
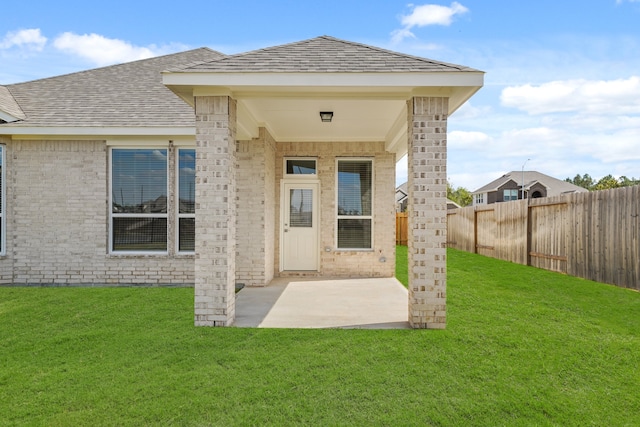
pixel 59 234
pixel 215 263
pixel 427 187
pixel 255 225
pixel 347 263
pixel 58 221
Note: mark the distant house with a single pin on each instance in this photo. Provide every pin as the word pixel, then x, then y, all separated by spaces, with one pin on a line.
pixel 402 199
pixel 512 185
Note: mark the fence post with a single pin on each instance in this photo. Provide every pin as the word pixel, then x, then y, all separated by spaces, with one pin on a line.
pixel 529 234
pixel 475 230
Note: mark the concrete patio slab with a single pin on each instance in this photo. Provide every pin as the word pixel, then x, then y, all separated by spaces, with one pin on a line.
pixel 380 303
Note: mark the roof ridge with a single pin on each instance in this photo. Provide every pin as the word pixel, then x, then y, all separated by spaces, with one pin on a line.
pixel 301 44
pixel 399 54
pixel 250 52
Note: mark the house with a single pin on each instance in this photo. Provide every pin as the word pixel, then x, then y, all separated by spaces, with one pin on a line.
pixel 402 199
pixel 206 169
pixel 512 185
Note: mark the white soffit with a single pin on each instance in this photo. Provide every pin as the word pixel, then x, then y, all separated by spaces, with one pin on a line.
pixel 366 106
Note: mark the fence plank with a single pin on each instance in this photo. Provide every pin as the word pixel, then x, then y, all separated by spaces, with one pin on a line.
pixel 402 232
pixel 593 235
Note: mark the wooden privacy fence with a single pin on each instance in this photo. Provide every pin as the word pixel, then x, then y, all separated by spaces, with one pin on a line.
pixel 402 223
pixel 593 235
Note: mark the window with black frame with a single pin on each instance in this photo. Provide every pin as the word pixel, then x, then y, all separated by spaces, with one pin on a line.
pixel 139 200
pixel 2 199
pixel 355 207
pixel 186 199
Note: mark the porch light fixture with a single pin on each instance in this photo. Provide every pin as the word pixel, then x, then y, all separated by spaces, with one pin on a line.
pixel 326 116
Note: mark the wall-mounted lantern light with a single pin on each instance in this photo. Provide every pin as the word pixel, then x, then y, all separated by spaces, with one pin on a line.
pixel 326 116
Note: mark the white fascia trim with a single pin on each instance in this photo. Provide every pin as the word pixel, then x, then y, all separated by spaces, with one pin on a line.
pixel 396 139
pixel 151 141
pixel 368 80
pixel 81 132
pixel 247 125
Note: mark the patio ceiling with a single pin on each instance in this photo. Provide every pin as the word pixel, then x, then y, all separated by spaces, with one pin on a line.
pixel 366 106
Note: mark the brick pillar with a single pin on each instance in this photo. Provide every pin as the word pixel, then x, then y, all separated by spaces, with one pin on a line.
pixel 427 185
pixel 215 211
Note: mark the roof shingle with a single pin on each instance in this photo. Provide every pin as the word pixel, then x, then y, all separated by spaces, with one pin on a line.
pixel 554 186
pixel 322 54
pixel 130 94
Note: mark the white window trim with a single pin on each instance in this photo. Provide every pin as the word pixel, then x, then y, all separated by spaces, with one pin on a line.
pixel 3 218
pixel 301 176
pixel 293 179
pixel 371 217
pixel 511 194
pixel 177 199
pixel 111 214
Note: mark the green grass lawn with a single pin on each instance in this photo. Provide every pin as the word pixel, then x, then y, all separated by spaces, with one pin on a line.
pixel 522 347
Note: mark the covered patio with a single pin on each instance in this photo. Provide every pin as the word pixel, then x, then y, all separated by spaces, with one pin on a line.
pixel 367 303
pixel 346 112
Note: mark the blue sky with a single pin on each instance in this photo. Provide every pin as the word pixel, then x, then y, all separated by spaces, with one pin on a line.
pixel 562 86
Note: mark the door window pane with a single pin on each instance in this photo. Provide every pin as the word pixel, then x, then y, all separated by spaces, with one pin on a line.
pixel 301 207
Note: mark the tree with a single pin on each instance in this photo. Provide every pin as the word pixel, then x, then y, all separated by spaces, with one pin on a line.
pixel 606 183
pixel 583 181
pixel 460 195
pixel 628 182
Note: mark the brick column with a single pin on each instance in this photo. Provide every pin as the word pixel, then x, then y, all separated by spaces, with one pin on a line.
pixel 427 185
pixel 215 211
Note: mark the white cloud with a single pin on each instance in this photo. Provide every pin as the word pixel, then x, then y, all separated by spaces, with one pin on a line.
pixel 101 50
pixel 158 155
pixel 608 97
pixel 427 14
pixel 402 170
pixel 467 139
pixel 30 39
pixel 432 14
pixel 469 111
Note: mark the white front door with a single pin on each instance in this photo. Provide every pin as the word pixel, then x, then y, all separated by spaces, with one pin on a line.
pixel 300 226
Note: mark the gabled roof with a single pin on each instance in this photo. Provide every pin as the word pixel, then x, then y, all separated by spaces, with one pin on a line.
pixel 123 95
pixel 10 111
pixel 554 186
pixel 323 54
pixel 401 192
pixel 284 87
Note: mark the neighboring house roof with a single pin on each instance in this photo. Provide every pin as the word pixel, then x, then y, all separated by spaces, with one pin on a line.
pixel 554 186
pixel 123 95
pixel 10 111
pixel 323 54
pixel 402 194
